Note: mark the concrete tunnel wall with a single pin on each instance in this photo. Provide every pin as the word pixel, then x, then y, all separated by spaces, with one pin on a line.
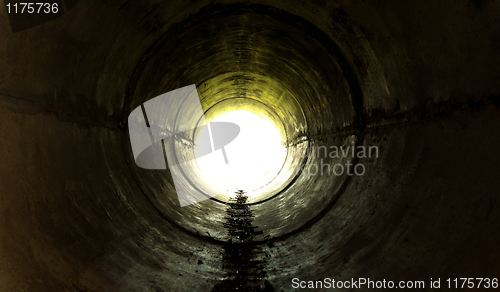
pixel 418 80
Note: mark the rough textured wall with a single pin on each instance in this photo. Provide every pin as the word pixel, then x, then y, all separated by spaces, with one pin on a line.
pixel 420 80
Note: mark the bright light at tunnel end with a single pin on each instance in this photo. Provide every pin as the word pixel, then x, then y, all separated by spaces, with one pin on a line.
pixel 238 150
pixel 255 156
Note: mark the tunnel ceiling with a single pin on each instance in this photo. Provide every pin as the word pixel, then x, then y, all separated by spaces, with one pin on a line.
pixel 418 81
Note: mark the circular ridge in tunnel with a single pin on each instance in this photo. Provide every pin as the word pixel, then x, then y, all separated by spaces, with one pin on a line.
pixel 260 60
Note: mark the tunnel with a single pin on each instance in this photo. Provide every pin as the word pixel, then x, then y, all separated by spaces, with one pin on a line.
pixel 387 114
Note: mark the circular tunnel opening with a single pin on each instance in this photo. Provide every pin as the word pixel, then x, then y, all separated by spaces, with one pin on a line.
pixel 264 62
pixel 255 157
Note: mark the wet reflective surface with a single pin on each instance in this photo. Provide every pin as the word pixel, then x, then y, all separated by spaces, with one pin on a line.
pixel 243 262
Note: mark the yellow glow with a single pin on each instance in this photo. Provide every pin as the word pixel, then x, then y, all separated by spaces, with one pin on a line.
pixel 255 157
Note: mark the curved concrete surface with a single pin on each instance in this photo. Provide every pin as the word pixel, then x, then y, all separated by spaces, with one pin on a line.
pixel 419 82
